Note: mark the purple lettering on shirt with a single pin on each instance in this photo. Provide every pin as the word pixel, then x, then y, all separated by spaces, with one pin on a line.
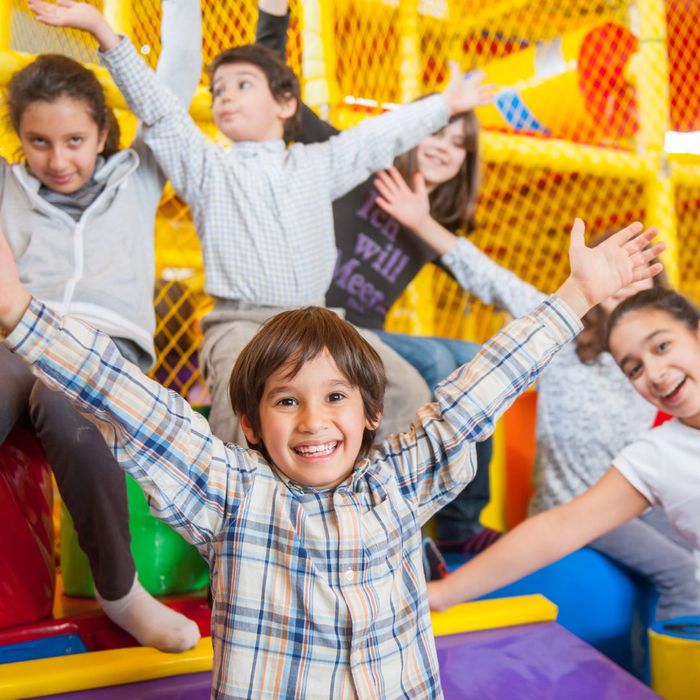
pixel 390 262
pixel 364 211
pixel 363 296
pixel 378 218
pixel 343 271
pixel 366 248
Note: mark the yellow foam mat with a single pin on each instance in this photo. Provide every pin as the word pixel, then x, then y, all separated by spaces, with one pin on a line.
pixel 490 614
pixel 98 669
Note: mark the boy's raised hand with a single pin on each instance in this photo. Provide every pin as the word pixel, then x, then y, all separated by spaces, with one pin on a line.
pixel 14 298
pixel 410 207
pixel 600 272
pixel 77 15
pixel 466 92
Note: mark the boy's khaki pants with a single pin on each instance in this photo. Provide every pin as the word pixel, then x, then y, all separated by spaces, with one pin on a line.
pixel 231 325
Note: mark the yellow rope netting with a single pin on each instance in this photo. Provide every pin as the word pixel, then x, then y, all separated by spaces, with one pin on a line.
pixel 589 90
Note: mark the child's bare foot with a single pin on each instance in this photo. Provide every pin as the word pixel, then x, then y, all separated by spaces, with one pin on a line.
pixel 150 622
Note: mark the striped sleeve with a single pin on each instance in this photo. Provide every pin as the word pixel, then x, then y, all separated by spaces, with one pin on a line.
pixel 436 458
pixel 180 147
pixel 195 483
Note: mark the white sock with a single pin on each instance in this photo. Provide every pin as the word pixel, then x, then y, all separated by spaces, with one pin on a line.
pixel 151 623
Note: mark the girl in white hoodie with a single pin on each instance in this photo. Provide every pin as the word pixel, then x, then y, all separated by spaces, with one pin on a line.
pixel 79 217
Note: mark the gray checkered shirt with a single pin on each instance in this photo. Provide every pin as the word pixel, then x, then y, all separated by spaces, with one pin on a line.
pixel 263 210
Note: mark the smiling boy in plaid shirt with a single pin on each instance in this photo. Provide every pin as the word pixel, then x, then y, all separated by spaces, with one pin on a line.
pixel 313 536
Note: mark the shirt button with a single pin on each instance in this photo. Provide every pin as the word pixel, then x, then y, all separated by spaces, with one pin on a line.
pixel 349 574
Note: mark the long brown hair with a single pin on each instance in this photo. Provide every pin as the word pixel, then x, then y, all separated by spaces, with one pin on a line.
pixel 52 76
pixel 592 340
pixel 453 203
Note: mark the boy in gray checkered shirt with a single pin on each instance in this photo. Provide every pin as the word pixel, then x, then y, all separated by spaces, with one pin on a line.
pixel 262 209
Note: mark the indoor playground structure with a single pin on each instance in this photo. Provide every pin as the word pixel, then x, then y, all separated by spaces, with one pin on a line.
pixel 593 96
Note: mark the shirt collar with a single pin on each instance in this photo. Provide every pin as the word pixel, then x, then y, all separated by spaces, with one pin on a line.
pixel 350 484
pixel 249 149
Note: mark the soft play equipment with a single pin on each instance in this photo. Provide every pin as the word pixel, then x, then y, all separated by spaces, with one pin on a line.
pixel 164 561
pixel 26 524
pixel 585 69
pixel 598 601
pixel 491 649
pixel 675 658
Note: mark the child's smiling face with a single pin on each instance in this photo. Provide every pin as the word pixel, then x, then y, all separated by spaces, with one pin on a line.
pixel 312 423
pixel 660 355
pixel 441 155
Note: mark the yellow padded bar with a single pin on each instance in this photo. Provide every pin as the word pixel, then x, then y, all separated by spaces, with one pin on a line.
pixel 99 669
pixel 491 614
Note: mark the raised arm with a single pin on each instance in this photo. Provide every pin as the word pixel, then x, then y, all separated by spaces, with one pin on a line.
pixel 176 141
pixel 354 154
pixel 180 61
pixel 194 482
pixel 474 271
pixel 469 402
pixel 273 22
pixel 436 459
pixel 271 31
pixel 541 540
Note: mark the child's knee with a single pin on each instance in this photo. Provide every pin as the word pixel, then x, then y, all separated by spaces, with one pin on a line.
pixel 51 412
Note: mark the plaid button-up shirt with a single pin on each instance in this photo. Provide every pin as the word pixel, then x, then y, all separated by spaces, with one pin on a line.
pixel 262 210
pixel 318 593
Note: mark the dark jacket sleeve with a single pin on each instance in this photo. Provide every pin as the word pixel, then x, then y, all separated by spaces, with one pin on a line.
pixel 272 32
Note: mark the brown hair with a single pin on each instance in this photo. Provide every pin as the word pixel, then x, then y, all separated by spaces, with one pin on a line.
pixel 592 340
pixel 656 299
pixel 453 203
pixel 49 78
pixel 281 80
pixel 292 338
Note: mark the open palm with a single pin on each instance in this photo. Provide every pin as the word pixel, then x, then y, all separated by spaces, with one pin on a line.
pixel 66 13
pixel 620 260
pixel 464 92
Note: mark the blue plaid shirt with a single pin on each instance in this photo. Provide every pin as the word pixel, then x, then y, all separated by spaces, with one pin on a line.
pixel 318 593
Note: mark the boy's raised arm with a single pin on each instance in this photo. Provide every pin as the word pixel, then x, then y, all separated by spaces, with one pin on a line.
pixel 469 402
pixel 354 154
pixel 14 298
pixel 176 141
pixel 193 481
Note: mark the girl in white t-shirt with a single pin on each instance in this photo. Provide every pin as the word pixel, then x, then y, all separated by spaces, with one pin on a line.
pixel 654 337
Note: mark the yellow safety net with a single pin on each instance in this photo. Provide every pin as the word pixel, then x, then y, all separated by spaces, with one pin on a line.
pixel 588 91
